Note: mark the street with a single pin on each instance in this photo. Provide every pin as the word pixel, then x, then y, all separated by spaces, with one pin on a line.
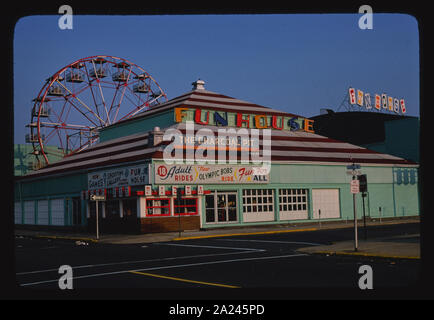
pixel 247 262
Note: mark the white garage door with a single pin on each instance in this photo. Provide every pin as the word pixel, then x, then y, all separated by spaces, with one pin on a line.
pixel 43 212
pixel 57 212
pixel 326 200
pixel 29 212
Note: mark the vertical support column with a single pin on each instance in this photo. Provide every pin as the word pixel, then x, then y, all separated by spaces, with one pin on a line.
pixel 87 209
pixel 103 209
pixel 276 205
pixel 141 207
pixel 240 205
pixel 172 205
pixel 199 208
pixel 121 208
pixel 393 188
pixel 310 204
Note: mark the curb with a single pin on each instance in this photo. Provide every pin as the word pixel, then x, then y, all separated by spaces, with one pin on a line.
pixel 324 227
pixel 66 238
pixel 363 254
pixel 243 234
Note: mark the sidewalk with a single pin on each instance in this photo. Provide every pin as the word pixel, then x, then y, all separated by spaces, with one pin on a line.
pixel 399 247
pixel 407 247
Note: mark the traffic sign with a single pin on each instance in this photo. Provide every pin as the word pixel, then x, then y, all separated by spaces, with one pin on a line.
pixel 354 172
pixel 355 186
pixel 94 197
pixel 353 166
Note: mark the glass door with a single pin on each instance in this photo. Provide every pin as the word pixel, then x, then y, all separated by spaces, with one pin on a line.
pixel 232 207
pixel 221 207
pixel 209 208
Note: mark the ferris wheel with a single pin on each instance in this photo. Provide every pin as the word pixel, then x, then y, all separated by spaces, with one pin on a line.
pixel 86 95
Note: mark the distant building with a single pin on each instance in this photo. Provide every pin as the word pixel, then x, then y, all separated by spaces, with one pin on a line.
pixel 386 133
pixel 25 161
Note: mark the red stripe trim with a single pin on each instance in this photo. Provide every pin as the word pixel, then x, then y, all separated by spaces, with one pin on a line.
pixel 112 144
pixel 320 149
pixel 102 163
pixel 285 148
pixel 91 157
pixel 279 138
pixel 331 159
pixel 208 94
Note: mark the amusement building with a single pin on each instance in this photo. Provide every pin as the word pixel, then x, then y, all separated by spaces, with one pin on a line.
pixel 197 161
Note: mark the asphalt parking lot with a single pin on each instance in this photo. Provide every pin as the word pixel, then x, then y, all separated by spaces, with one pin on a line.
pixel 264 261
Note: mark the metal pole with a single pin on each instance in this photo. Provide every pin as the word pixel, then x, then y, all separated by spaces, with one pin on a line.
pixel 380 213
pixel 355 222
pixel 179 225
pixel 364 219
pixel 179 198
pixel 319 214
pixel 97 230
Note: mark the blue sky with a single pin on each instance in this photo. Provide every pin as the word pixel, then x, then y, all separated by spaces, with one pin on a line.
pixel 297 63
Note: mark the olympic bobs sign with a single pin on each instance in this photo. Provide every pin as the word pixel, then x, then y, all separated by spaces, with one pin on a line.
pixel 210 174
pixel 382 102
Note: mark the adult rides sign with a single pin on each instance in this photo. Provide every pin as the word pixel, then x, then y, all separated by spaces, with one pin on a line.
pixel 210 174
pixel 382 102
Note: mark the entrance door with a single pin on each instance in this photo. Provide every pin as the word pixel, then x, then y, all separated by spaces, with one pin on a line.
pixel 221 207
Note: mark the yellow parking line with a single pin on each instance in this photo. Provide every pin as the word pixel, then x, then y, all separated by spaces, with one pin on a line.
pixel 244 234
pixel 184 280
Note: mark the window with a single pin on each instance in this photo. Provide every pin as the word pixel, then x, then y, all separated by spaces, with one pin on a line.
pixel 258 200
pixel 186 206
pixel 157 207
pixel 293 200
pixel 57 212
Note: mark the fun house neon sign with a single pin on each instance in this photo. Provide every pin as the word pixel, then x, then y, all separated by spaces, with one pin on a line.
pixel 382 102
pixel 243 120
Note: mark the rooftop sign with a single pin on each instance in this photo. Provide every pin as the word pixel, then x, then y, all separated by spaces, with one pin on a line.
pixel 382 101
pixel 243 120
